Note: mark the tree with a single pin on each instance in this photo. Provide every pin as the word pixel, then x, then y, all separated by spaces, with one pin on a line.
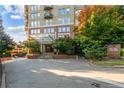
pixel 104 24
pixel 64 45
pixel 107 25
pixel 6 43
pixel 33 45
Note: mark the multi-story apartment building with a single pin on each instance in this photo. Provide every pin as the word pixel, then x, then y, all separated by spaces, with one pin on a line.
pixel 49 22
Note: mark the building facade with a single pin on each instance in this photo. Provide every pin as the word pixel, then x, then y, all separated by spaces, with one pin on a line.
pixel 49 22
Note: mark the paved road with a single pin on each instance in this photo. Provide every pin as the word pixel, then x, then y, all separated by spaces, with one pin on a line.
pixel 49 73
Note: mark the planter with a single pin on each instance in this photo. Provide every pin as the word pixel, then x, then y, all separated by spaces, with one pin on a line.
pixel 6 59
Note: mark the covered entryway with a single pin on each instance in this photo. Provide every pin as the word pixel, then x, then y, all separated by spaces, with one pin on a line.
pixel 46 46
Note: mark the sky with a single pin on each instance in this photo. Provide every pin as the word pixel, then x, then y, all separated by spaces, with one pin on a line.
pixel 13 21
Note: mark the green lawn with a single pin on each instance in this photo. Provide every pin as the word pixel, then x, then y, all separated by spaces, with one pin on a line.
pixel 114 62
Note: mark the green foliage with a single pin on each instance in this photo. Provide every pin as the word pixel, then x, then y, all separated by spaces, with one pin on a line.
pixel 33 45
pixel 89 48
pixel 7 54
pixel 122 51
pixel 107 28
pixel 94 50
pixel 21 54
pixel 63 44
pixel 81 42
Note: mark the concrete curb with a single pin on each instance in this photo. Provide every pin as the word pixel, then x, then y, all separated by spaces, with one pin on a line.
pixel 3 83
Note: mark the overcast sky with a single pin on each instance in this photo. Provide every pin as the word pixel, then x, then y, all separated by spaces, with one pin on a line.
pixel 13 21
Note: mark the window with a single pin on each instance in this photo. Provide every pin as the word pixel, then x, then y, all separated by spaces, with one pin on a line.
pixel 64 29
pixel 35 31
pixel 32 32
pixel 35 7
pixel 31 16
pixel 52 30
pixel 35 16
pixel 35 23
pixel 38 31
pixel 64 20
pixel 32 24
pixel 63 11
pixel 32 8
pixel 67 10
pixel 48 22
pixel 67 29
pixel 45 30
pixel 49 30
pixel 38 7
pixel 38 23
pixel 60 29
pixel 60 11
pixel 60 20
pixel 67 20
pixel 38 15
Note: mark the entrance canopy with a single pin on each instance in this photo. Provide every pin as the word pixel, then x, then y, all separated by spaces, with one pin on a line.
pixel 46 39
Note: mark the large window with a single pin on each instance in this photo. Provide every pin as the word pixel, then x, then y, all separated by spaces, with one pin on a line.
pixel 60 20
pixel 63 11
pixel 38 15
pixel 32 32
pixel 35 23
pixel 35 15
pixel 64 29
pixel 35 7
pixel 67 20
pixel 32 8
pixel 63 21
pixel 49 22
pixel 38 7
pixel 49 30
pixel 32 24
pixel 35 31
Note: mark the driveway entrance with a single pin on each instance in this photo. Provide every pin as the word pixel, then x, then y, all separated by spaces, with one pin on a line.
pixel 67 73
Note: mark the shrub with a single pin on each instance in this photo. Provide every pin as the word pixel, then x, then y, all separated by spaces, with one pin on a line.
pixel 21 54
pixel 80 44
pixel 32 56
pixel 95 50
pixel 122 52
pixel 64 45
pixel 7 54
pixel 33 45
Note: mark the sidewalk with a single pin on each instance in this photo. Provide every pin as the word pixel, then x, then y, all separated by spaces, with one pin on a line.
pixel 2 76
pixel 0 73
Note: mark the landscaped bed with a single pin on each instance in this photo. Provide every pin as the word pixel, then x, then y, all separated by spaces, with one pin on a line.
pixel 112 62
pixel 6 59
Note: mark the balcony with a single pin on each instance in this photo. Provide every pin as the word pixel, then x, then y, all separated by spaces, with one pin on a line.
pixel 48 15
pixel 48 7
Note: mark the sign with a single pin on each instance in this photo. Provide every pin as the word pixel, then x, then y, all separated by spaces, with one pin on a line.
pixel 113 51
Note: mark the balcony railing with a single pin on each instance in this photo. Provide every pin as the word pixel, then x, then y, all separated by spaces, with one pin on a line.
pixel 48 15
pixel 48 7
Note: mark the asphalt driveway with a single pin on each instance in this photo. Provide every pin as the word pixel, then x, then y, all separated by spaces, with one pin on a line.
pixel 67 73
